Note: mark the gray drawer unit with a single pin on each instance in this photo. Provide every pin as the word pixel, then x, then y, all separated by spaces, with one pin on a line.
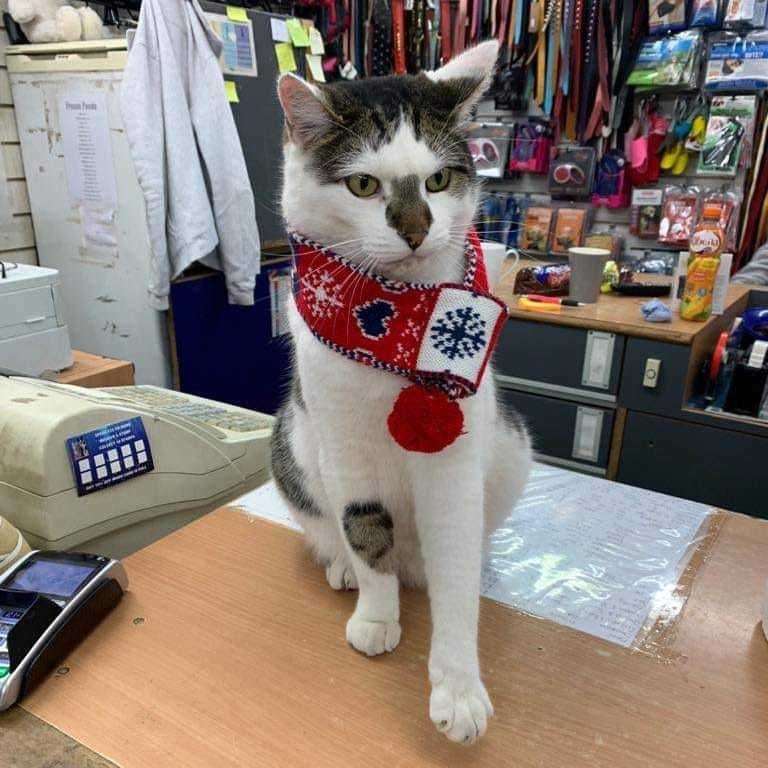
pixel 662 393
pixel 558 361
pixel 566 433
pixel 715 466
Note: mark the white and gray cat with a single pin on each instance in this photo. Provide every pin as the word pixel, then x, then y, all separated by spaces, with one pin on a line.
pixel 362 161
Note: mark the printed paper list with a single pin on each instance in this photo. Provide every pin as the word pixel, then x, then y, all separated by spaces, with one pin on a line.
pixel 87 149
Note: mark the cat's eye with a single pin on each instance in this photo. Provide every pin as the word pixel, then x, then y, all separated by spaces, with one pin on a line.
pixel 362 185
pixel 439 181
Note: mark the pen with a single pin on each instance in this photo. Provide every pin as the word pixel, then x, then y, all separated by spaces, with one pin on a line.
pixel 554 300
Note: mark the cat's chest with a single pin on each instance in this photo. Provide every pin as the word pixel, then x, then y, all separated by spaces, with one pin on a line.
pixel 337 385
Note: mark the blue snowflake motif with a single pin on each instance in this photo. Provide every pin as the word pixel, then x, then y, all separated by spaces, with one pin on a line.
pixel 459 333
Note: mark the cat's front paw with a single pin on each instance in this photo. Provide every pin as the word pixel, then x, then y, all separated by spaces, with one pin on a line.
pixel 340 575
pixel 373 637
pixel 460 708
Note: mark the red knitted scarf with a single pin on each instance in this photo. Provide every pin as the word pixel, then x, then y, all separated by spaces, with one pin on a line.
pixel 440 337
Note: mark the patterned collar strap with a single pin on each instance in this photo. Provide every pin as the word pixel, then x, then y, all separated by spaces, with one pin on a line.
pixel 440 337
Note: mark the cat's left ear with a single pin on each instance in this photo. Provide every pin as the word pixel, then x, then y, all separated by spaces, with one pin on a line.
pixel 471 72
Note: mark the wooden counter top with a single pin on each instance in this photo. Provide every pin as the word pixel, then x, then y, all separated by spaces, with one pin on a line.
pixel 621 314
pixel 229 651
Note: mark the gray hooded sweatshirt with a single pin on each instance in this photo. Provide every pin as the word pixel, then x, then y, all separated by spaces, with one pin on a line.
pixel 187 153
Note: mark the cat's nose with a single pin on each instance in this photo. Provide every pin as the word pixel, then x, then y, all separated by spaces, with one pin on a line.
pixel 414 239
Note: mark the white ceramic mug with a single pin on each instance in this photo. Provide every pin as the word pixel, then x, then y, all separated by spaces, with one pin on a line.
pixel 496 255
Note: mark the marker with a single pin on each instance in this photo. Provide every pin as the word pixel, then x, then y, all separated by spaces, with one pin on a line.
pixel 554 300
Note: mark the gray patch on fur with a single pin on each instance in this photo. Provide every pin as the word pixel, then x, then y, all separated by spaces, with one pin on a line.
pixel 288 475
pixel 368 113
pixel 296 393
pixel 510 415
pixel 407 212
pixel 370 531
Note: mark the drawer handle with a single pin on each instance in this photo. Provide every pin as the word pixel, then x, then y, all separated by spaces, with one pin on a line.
pixel 33 320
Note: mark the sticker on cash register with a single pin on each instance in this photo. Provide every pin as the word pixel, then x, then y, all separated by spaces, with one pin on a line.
pixel 109 455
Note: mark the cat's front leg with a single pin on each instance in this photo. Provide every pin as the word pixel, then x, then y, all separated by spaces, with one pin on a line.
pixel 368 533
pixel 449 516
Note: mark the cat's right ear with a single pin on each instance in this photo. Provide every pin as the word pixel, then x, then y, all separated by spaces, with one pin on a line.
pixel 306 113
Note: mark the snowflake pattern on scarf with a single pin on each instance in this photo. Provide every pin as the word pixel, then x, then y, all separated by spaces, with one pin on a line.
pixel 323 294
pixel 459 333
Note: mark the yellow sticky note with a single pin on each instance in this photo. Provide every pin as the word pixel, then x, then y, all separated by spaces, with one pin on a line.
pixel 235 13
pixel 299 36
pixel 285 59
pixel 316 44
pixel 231 90
pixel 315 65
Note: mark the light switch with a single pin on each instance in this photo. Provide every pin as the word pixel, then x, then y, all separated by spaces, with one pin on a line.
pixel 652 370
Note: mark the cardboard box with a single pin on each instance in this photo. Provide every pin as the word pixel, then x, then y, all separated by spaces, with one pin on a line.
pixel 95 371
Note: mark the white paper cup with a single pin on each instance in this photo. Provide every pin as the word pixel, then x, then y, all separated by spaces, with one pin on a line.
pixel 587 266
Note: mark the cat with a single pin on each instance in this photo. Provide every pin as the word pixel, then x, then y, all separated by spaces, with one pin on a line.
pixel 360 159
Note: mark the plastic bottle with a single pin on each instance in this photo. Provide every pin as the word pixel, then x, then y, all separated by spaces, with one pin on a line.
pixel 707 243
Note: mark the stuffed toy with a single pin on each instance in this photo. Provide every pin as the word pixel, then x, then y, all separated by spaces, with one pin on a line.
pixel 55 21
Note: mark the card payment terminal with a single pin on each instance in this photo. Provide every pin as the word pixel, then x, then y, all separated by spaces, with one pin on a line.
pixel 49 601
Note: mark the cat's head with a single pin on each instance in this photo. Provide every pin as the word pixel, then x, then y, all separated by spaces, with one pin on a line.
pixel 379 169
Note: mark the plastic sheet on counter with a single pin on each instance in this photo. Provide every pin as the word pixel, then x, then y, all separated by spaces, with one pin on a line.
pixel 608 559
pixel 614 561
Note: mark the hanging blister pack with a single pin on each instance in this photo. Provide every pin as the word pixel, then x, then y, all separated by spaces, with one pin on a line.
pixel 706 13
pixel 669 62
pixel 679 213
pixel 738 64
pixel 746 13
pixel 729 136
pixel 489 146
pixel 666 16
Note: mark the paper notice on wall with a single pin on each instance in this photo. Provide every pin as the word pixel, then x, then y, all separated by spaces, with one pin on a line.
pixel 99 227
pixel 280 287
pixel 238 56
pixel 279 31
pixel 88 148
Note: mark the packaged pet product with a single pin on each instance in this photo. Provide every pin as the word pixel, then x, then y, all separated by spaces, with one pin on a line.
pixel 489 147
pixel 531 147
pixel 606 241
pixel 727 205
pixel 547 280
pixel 678 216
pixel 643 144
pixel 536 228
pixel 666 16
pixel 737 64
pixel 572 172
pixel 489 218
pixel 612 185
pixel 746 13
pixel 699 287
pixel 668 62
pixel 729 137
pixel 646 213
pixel 706 13
pixel 568 230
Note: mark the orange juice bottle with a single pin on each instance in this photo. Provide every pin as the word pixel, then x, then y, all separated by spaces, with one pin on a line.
pixel 707 243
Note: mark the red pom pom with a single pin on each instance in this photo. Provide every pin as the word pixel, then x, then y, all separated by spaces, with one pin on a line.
pixel 424 421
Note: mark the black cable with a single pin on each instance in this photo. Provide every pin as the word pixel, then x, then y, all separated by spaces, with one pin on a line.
pixel 5 268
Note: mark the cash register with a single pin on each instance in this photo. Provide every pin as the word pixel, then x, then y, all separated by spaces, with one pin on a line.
pixel 111 470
